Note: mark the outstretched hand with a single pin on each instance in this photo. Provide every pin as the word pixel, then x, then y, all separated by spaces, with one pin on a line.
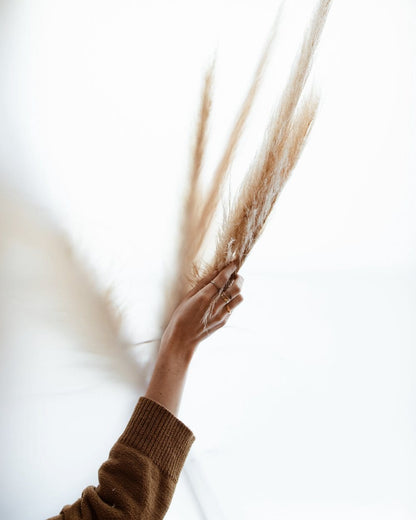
pixel 185 328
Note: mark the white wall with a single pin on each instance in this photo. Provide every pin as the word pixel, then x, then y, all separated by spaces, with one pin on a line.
pixel 302 405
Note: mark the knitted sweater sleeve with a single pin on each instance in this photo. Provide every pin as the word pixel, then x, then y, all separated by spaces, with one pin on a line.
pixel 139 478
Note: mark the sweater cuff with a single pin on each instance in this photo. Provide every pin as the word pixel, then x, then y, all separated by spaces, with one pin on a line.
pixel 158 434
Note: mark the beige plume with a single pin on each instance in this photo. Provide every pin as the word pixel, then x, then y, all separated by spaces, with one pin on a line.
pixel 283 144
pixel 198 210
pixel 191 222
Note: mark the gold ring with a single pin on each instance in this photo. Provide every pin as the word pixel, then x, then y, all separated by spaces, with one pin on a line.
pixel 225 298
pixel 228 309
pixel 215 285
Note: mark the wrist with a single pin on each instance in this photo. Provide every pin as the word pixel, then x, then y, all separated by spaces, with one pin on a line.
pixel 169 375
pixel 176 351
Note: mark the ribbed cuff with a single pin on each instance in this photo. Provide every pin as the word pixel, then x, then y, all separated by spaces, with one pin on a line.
pixel 159 435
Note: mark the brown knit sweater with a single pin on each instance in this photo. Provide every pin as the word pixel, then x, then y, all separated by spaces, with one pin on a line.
pixel 138 479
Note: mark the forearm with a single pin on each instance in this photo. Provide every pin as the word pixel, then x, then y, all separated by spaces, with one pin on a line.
pixel 186 330
pixel 169 375
pixel 139 478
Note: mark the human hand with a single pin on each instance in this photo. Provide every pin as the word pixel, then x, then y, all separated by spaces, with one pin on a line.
pixel 185 328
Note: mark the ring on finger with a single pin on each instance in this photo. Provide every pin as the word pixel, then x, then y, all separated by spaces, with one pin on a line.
pixel 225 297
pixel 215 285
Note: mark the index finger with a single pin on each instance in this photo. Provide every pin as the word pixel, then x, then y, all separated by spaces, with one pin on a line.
pixel 202 282
pixel 223 276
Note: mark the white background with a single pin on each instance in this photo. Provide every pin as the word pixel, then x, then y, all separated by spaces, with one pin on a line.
pixel 304 404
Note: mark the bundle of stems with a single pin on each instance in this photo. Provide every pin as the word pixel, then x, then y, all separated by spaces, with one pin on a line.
pixel 282 146
pixel 199 210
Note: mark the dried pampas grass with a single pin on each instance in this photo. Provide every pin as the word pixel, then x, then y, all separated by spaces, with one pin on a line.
pixel 190 226
pixel 284 141
pixel 198 211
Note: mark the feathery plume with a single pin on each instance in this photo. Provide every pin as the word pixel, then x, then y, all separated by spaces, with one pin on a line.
pixel 198 211
pixel 212 199
pixel 284 142
pixel 191 223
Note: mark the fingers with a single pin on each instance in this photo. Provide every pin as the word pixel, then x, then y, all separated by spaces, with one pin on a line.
pixel 222 277
pixel 202 283
pixel 234 289
pixel 212 295
pixel 205 282
pixel 214 285
pixel 223 316
pixel 225 298
pixel 229 307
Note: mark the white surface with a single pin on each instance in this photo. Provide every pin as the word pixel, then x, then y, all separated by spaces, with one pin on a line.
pixel 304 405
